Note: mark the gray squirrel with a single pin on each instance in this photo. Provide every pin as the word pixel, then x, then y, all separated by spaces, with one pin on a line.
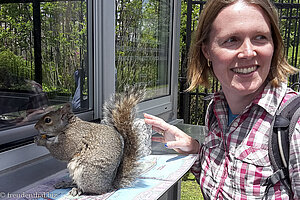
pixel 101 157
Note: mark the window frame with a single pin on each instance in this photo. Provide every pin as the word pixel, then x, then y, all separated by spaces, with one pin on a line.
pixel 166 106
pixel 101 56
pixel 20 138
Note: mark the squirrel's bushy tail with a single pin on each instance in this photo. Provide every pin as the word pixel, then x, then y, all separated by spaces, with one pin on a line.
pixel 120 112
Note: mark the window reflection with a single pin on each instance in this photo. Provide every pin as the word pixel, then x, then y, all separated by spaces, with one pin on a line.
pixel 43 59
pixel 143 45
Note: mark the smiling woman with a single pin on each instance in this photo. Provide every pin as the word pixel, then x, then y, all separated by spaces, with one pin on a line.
pixel 240 48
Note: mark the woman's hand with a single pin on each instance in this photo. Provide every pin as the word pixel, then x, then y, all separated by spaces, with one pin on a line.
pixel 173 137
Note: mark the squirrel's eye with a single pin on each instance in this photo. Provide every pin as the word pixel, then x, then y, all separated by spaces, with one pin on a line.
pixel 47 120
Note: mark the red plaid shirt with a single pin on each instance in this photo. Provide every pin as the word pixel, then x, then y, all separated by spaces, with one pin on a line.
pixel 233 161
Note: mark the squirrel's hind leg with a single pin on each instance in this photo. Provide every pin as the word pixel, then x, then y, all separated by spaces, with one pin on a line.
pixel 91 179
pixel 96 180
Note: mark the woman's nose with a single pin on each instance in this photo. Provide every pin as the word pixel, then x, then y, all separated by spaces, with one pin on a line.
pixel 247 50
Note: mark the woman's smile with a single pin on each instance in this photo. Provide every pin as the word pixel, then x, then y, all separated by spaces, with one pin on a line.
pixel 245 70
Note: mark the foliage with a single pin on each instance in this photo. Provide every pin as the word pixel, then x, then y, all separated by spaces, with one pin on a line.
pixel 140 42
pixel 190 189
pixel 64 44
pixel 63 40
pixel 197 104
pixel 13 70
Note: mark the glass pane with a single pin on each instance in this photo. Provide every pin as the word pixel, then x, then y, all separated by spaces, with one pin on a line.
pixel 143 45
pixel 43 59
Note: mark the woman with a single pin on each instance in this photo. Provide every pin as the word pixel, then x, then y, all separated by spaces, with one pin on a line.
pixel 237 41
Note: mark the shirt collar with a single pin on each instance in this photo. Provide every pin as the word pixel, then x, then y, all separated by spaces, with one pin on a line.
pixel 271 97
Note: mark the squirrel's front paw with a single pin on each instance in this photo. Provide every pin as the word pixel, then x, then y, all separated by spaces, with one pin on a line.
pixel 40 140
pixel 75 191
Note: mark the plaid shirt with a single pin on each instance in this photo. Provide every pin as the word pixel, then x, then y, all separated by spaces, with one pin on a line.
pixel 233 161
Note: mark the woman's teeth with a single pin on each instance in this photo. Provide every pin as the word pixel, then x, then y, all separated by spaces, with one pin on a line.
pixel 245 70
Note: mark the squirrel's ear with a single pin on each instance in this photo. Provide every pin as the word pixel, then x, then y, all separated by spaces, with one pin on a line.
pixel 66 109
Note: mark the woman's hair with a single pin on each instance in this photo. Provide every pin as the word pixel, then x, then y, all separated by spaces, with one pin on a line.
pixel 198 69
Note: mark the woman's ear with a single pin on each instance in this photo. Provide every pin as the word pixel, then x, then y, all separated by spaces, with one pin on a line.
pixel 204 49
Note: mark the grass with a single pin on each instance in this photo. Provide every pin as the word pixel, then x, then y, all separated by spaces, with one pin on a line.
pixel 190 189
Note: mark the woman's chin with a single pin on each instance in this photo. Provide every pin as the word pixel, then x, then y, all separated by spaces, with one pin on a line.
pixel 247 88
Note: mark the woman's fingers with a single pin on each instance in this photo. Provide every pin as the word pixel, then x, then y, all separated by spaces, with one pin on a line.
pixel 158 124
pixel 148 116
pixel 172 136
pixel 188 146
pixel 158 139
pixel 158 130
pixel 154 120
pixel 177 144
pixel 162 127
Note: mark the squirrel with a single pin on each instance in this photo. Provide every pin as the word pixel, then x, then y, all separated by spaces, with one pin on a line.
pixel 101 157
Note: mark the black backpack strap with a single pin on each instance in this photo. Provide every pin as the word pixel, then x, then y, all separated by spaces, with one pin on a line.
pixel 282 128
pixel 288 109
pixel 285 121
pixel 294 120
pixel 279 175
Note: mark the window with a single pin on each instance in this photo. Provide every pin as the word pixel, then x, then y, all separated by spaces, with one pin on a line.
pixel 43 60
pixel 81 51
pixel 143 44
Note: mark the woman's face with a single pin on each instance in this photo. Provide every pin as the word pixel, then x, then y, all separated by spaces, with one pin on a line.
pixel 241 48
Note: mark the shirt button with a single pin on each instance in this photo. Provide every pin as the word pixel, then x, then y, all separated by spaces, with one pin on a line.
pixel 235 124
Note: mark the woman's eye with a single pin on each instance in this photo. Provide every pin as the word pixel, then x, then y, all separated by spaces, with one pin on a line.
pixel 229 40
pixel 260 37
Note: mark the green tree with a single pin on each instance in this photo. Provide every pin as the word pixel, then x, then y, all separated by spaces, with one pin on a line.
pixel 14 67
pixel 64 40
